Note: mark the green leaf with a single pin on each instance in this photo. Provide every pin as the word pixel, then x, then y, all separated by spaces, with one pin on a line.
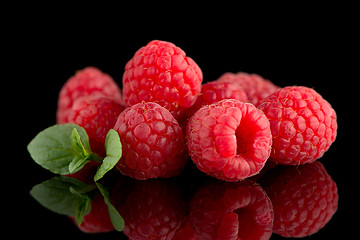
pixel 62 195
pixel 77 163
pixel 77 144
pixel 116 219
pixel 54 148
pixel 83 154
pixel 113 154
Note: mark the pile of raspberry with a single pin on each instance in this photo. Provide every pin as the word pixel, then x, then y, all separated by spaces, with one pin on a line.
pixel 229 127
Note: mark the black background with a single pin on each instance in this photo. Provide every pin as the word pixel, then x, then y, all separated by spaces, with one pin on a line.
pixel 313 48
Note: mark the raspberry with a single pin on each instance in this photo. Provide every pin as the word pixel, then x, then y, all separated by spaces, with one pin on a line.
pixel 303 125
pixel 97 115
pixel 186 232
pixel 216 91
pixel 229 140
pixel 304 198
pixel 255 87
pixel 160 72
pixel 153 144
pixel 153 210
pixel 98 219
pixel 225 211
pixel 89 81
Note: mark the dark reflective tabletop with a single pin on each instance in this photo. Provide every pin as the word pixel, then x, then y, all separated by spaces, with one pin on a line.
pixel 280 202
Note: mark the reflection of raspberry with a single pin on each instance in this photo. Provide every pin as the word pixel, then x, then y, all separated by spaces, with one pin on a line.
pixel 186 232
pixel 224 211
pixel 230 140
pixel 160 72
pixel 89 81
pixel 152 141
pixel 97 115
pixel 98 219
pixel 255 87
pixel 304 199
pixel 303 125
pixel 153 210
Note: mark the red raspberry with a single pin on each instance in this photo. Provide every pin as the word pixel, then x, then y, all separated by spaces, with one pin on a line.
pixel 153 210
pixel 160 72
pixel 303 125
pixel 255 86
pixel 153 143
pixel 216 91
pixel 97 115
pixel 225 211
pixel 304 198
pixel 186 232
pixel 89 81
pixel 229 140
pixel 98 219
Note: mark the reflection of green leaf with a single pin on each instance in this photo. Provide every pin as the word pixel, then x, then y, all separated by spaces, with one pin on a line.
pixel 116 219
pixel 54 149
pixel 60 194
pixel 82 208
pixel 113 154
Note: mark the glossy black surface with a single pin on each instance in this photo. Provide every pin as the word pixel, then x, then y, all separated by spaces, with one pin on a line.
pixel 43 58
pixel 152 205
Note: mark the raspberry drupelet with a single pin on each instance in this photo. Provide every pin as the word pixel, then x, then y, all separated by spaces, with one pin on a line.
pixel 229 140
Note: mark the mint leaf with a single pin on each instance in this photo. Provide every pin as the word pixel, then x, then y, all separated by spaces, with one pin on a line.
pixel 61 149
pixel 77 163
pixel 63 195
pixel 113 154
pixel 77 144
pixel 83 154
pixel 116 219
